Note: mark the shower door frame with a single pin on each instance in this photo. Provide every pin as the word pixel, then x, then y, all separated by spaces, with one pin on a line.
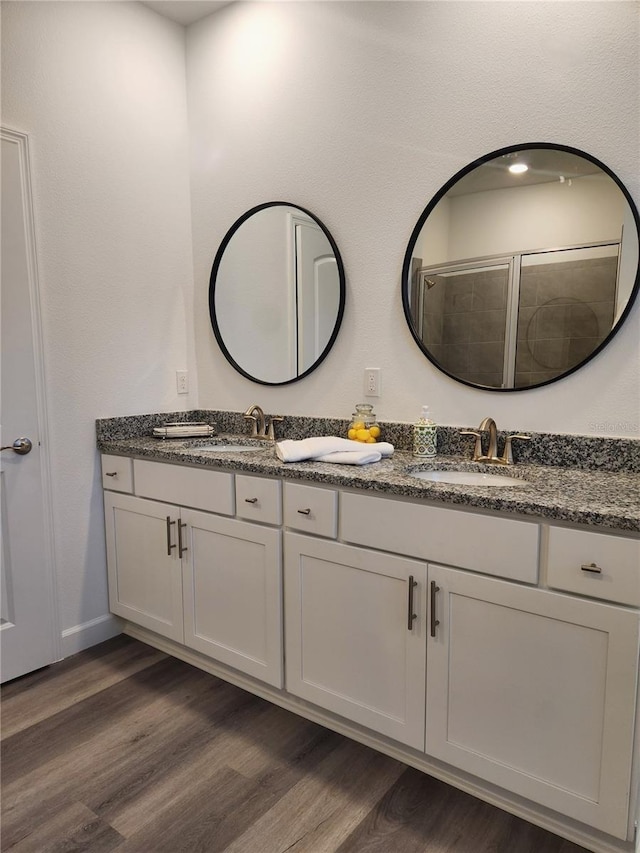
pixel 514 264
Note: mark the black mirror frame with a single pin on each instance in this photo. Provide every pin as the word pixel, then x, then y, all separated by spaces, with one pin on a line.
pixel 406 266
pixel 212 288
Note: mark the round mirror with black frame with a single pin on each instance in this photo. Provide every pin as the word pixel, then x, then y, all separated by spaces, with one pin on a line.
pixel 522 267
pixel 276 293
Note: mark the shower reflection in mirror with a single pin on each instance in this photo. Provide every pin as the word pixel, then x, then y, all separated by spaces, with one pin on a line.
pixel 512 286
pixel 520 320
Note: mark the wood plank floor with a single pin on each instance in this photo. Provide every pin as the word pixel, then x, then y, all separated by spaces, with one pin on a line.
pixel 122 748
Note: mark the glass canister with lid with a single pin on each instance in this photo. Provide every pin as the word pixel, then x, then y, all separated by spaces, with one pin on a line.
pixel 363 426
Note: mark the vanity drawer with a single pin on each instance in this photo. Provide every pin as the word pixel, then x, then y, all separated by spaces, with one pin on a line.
pixel 117 473
pixel 200 488
pixel 611 565
pixel 482 543
pixel 311 509
pixel 259 499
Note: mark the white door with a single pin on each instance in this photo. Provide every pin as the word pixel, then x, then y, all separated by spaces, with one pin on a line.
pixel 233 593
pixel 28 613
pixel 534 691
pixel 355 634
pixel 143 561
pixel 317 292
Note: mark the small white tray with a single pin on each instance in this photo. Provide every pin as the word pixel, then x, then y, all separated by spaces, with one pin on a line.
pixel 183 430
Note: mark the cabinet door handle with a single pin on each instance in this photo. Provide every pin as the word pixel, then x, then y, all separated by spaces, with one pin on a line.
pixel 591 567
pixel 110 473
pixel 251 500
pixel 181 548
pixel 170 547
pixel 304 511
pixel 410 614
pixel 434 622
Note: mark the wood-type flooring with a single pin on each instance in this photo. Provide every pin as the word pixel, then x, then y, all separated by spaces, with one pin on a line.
pixel 122 748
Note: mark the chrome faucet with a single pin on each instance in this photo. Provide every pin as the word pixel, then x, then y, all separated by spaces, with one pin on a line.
pixel 491 456
pixel 262 425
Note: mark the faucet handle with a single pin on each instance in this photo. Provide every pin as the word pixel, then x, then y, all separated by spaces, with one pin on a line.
pixel 270 433
pixel 507 455
pixel 477 449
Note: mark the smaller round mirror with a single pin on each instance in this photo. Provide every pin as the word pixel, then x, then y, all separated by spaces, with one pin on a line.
pixel 522 267
pixel 277 292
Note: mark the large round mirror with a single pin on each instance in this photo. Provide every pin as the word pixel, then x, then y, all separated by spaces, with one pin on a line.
pixel 277 292
pixel 522 267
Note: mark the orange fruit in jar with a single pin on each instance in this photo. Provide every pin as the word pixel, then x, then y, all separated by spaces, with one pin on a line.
pixel 371 440
pixel 357 425
pixel 352 433
pixel 374 431
pixel 362 435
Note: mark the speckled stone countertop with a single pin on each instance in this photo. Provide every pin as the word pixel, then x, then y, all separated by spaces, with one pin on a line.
pixel 605 500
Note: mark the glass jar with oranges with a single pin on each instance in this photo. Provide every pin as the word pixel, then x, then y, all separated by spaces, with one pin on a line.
pixel 363 426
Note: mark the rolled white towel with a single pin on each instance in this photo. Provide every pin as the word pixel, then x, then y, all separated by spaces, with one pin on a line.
pixel 350 457
pixel 313 448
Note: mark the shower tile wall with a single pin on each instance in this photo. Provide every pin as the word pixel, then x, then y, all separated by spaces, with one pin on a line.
pixel 566 310
pixel 464 323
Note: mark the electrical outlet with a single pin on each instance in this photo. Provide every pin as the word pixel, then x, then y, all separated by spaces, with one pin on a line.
pixel 182 381
pixel 372 381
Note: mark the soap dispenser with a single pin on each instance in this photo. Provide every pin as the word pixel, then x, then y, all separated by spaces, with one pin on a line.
pixel 424 435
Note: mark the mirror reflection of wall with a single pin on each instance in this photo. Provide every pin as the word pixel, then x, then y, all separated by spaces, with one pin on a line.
pixel 517 279
pixel 277 293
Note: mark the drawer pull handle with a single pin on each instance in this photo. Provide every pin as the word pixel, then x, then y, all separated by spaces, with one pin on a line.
pixel 591 567
pixel 251 500
pixel 410 614
pixel 181 548
pixel 110 473
pixel 434 622
pixel 304 511
pixel 170 547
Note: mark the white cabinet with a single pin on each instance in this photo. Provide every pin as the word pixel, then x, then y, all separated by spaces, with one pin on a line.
pixel 534 691
pixel 504 547
pixel 233 593
pixel 355 634
pixel 117 473
pixel 209 582
pixel 595 564
pixel 311 509
pixel 145 574
pixel 523 693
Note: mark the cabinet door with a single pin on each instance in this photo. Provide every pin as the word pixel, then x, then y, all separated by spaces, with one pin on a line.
pixel 349 647
pixel 233 593
pixel 535 692
pixel 145 576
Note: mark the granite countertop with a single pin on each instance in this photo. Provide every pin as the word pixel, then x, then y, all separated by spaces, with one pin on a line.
pixel 603 500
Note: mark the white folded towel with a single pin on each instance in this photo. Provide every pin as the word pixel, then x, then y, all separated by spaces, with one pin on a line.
pixel 322 446
pixel 350 457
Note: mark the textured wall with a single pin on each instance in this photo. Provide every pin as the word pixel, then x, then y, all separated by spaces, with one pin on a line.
pixel 100 89
pixel 360 112
pixel 357 111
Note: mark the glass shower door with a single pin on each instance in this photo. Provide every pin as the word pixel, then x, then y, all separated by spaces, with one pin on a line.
pixel 461 313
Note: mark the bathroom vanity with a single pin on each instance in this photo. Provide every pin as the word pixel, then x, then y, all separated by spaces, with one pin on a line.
pixel 487 636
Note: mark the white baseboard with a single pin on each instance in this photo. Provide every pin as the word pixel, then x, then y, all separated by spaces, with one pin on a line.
pixel 89 633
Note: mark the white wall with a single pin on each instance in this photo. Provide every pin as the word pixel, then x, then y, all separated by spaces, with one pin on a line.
pixel 360 112
pixel 100 89
pixel 357 111
pixel 539 216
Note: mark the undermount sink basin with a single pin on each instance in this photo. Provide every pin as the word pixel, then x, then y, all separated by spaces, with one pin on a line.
pixel 469 478
pixel 228 448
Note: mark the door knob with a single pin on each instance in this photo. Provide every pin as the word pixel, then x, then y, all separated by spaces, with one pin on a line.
pixel 22 446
